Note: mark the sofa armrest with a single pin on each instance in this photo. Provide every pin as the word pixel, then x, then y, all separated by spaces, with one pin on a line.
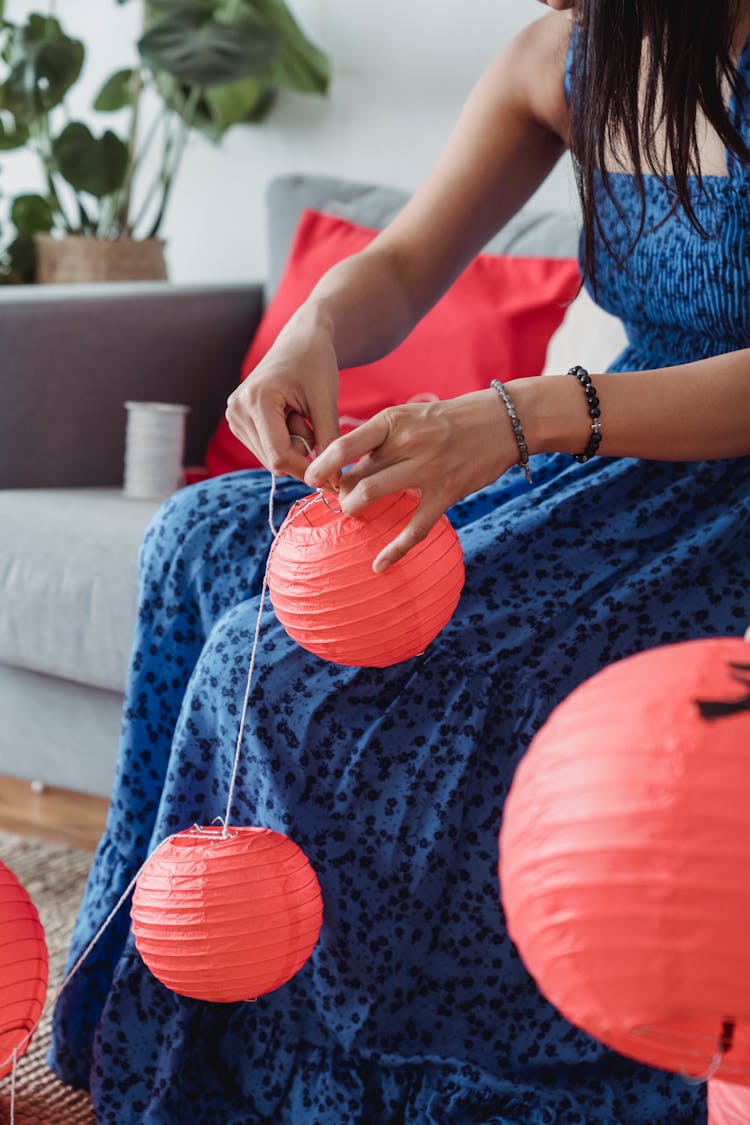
pixel 71 355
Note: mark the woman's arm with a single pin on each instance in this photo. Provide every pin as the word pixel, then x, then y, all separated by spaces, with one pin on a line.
pixel 446 450
pixel 695 412
pixel 508 137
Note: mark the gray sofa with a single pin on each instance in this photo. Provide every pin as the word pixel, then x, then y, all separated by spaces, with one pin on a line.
pixel 69 538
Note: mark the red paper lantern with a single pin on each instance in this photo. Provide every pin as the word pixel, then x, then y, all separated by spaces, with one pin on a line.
pixel 728 1104
pixel 226 918
pixel 625 857
pixel 328 599
pixel 23 969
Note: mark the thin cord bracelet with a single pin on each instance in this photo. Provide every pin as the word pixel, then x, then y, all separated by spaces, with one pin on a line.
pixel 592 402
pixel 523 451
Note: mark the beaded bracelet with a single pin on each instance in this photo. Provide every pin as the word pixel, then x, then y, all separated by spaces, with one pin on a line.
pixel 523 451
pixel 592 401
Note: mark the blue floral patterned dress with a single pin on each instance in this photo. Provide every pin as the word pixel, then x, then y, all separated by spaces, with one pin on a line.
pixel 414 1008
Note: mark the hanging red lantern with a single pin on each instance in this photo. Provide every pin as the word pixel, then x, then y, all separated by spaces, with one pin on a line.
pixel 330 601
pixel 728 1104
pixel 23 969
pixel 625 852
pixel 226 917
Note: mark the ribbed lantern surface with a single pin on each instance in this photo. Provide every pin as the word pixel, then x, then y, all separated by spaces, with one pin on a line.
pixel 325 593
pixel 226 918
pixel 23 968
pixel 728 1104
pixel 625 857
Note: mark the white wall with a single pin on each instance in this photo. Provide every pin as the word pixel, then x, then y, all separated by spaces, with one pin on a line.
pixel 401 69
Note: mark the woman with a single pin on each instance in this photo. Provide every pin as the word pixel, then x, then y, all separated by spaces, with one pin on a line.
pixel 415 1007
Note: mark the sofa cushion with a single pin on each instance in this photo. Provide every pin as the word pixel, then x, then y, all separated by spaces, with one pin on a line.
pixel 495 319
pixel 532 233
pixel 57 731
pixel 68 581
pixel 72 355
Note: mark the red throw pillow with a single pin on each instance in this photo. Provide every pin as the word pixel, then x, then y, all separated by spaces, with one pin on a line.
pixel 495 321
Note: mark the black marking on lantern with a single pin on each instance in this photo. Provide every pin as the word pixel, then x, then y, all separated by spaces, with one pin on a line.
pixel 720 709
pixel 727 1037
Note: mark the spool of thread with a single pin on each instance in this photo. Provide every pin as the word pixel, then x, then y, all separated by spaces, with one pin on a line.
pixel 154 449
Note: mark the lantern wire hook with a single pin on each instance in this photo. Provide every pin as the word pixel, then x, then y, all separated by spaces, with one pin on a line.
pixel 723 1045
pixel 332 507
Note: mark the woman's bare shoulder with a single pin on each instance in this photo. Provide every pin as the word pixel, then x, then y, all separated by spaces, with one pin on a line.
pixel 538 56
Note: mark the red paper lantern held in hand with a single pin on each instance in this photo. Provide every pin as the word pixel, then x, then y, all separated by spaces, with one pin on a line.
pixel 728 1104
pixel 23 969
pixel 226 918
pixel 328 599
pixel 625 852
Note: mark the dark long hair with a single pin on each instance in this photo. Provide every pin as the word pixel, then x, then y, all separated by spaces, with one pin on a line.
pixel 617 101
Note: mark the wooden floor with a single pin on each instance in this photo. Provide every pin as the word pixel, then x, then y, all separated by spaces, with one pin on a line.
pixel 70 818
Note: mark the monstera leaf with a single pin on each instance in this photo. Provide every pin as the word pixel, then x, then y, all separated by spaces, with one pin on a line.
pixel 43 64
pixel 236 104
pixel 97 165
pixel 116 93
pixel 13 134
pixel 18 261
pixel 203 52
pixel 299 64
pixel 31 214
pixel 224 101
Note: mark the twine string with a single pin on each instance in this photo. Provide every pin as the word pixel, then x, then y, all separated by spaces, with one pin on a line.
pixel 723 1043
pixel 19 1047
pixel 256 636
pixel 13 1086
pixel 253 654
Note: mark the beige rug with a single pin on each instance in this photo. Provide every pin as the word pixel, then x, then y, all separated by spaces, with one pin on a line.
pixel 54 876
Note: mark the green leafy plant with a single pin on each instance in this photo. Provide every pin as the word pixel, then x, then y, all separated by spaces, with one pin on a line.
pixel 207 65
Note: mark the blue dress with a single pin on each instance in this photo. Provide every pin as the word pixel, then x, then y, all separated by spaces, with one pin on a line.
pixel 414 1008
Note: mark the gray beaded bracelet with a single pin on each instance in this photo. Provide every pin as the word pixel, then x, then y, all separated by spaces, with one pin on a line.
pixel 523 451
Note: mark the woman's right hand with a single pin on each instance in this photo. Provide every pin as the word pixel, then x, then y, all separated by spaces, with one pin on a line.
pixel 291 394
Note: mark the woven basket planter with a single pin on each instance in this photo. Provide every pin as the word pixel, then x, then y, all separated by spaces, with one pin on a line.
pixel 79 259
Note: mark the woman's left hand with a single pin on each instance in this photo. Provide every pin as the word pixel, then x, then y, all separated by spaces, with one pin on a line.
pixel 442 450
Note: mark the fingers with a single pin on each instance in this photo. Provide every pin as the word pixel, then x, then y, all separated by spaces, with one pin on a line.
pixel 327 467
pixel 326 429
pixel 301 431
pixel 269 429
pixel 417 529
pixel 356 495
pixel 278 451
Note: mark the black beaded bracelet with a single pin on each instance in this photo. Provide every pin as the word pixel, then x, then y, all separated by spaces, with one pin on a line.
pixel 592 401
pixel 523 451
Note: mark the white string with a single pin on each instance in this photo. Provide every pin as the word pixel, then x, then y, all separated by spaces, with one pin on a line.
pixel 124 896
pixel 256 640
pixel 13 1086
pixel 251 669
pixel 52 1003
